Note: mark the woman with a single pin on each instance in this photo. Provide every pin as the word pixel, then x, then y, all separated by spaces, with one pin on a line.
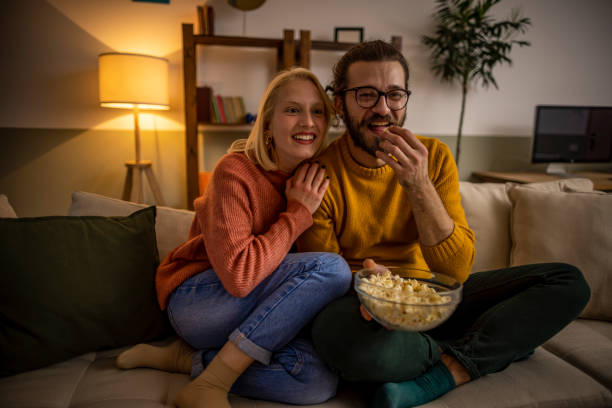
pixel 234 294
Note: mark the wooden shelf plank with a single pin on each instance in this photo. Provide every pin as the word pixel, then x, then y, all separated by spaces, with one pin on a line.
pixel 234 41
pixel 237 41
pixel 331 45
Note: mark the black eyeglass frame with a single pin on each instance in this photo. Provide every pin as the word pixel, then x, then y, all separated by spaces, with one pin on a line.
pixel 380 93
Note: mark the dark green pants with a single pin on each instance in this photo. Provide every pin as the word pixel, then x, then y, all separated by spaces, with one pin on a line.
pixel 504 315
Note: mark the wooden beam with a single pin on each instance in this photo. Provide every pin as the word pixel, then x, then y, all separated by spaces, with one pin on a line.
pixel 396 41
pixel 191 121
pixel 286 58
pixel 304 49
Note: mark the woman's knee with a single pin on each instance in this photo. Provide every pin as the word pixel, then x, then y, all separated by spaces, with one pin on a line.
pixel 316 389
pixel 335 272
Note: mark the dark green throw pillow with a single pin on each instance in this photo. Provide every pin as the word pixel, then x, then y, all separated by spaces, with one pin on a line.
pixel 70 285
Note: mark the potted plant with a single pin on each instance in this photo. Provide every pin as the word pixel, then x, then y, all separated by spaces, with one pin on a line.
pixel 469 43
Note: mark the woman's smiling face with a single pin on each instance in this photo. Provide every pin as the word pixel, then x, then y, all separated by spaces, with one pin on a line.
pixel 298 123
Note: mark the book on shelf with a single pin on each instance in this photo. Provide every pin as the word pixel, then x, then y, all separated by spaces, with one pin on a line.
pixel 228 107
pixel 204 104
pixel 215 118
pixel 239 112
pixel 222 117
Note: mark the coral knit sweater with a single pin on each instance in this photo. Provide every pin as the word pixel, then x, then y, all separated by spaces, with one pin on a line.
pixel 365 214
pixel 243 228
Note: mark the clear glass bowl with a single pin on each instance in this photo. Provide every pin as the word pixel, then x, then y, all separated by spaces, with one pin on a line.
pixel 406 309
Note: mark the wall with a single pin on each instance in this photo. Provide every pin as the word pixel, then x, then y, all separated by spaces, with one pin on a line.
pixel 54 138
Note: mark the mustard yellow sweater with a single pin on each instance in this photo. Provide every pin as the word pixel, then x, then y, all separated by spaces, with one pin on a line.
pixel 366 214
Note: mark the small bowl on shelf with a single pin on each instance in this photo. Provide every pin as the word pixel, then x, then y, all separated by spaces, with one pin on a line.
pixel 408 299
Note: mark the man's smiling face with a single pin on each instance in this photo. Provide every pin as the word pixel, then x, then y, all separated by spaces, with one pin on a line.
pixel 366 125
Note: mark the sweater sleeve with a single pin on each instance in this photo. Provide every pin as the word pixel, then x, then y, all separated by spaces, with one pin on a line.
pixel 241 256
pixel 321 236
pixel 453 256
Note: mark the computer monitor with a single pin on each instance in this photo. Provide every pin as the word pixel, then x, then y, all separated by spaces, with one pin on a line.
pixel 572 134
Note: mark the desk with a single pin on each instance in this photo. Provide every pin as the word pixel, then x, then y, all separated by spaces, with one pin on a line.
pixel 601 181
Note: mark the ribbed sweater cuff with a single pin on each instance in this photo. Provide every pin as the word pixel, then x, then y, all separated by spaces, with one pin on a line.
pixel 446 249
pixel 303 217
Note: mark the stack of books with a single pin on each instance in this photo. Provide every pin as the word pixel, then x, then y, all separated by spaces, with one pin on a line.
pixel 219 109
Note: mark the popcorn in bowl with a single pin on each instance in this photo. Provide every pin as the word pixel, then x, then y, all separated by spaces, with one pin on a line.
pixel 408 299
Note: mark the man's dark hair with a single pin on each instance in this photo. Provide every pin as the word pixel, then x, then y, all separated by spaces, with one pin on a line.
pixel 371 51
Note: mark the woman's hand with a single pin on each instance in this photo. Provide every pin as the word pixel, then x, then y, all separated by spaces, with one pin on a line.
pixel 307 186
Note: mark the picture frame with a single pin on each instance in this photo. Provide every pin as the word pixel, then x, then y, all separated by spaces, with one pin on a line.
pixel 348 34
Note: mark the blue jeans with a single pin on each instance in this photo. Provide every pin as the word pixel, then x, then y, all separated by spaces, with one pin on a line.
pixel 265 325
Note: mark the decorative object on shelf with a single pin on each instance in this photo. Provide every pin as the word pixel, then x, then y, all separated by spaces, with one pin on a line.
pixel 245 5
pixel 135 81
pixel 206 19
pixel 348 34
pixel 468 43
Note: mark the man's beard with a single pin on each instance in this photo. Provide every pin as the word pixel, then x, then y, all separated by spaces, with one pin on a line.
pixel 359 138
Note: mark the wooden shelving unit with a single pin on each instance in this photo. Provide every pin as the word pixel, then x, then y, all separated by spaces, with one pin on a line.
pixel 290 53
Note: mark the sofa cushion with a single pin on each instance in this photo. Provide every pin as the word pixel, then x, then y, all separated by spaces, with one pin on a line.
pixel 543 380
pixel 75 284
pixel 586 344
pixel 92 380
pixel 487 209
pixel 567 227
pixel 171 226
pixel 6 211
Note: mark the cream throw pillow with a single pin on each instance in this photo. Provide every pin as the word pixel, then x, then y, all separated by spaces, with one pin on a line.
pixel 6 211
pixel 575 228
pixel 487 209
pixel 171 225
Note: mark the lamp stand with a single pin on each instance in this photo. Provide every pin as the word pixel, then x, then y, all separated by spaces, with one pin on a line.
pixel 135 168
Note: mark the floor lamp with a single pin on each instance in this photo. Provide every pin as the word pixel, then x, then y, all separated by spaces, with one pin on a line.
pixel 137 82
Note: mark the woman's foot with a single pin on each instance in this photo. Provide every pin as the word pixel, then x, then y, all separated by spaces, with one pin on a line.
pixel 210 389
pixel 175 357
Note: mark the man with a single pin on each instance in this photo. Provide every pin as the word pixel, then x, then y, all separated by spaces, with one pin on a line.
pixel 394 197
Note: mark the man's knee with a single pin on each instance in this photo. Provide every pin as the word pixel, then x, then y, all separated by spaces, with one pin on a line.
pixel 358 350
pixel 581 292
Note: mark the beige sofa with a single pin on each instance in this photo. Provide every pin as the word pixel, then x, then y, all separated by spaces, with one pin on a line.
pixel 560 221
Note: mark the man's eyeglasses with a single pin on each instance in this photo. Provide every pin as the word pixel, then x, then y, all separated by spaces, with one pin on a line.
pixel 368 96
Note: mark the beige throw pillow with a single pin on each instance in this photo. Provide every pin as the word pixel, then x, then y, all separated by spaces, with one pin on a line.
pixel 171 225
pixel 575 228
pixel 6 211
pixel 487 209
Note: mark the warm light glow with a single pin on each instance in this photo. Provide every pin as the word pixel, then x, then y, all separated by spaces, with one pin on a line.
pixel 133 80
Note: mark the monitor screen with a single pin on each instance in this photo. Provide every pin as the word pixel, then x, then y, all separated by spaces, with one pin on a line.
pixel 566 134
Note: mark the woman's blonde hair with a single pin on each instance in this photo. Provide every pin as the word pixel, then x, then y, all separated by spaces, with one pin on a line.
pixel 255 146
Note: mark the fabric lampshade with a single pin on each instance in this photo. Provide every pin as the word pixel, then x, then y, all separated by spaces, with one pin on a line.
pixel 133 81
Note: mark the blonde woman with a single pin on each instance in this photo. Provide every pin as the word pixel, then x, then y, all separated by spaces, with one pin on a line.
pixel 234 294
